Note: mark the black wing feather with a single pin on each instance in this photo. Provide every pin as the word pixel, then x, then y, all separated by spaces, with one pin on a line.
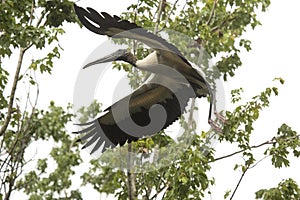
pixel 112 135
pixel 113 25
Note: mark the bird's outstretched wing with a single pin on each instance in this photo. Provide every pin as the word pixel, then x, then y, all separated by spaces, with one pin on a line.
pixel 108 130
pixel 114 26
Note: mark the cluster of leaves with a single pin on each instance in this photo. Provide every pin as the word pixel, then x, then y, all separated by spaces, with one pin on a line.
pixel 44 126
pixel 48 127
pixel 218 27
pixel 3 81
pixel 285 140
pixel 32 23
pixel 238 129
pixel 185 176
pixel 85 114
pixel 26 25
pixel 240 121
pixel 286 189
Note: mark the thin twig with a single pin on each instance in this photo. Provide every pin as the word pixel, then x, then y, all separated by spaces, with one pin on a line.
pixel 9 157
pixel 31 14
pixel 135 12
pixel 244 172
pixel 160 10
pixel 134 42
pixel 259 161
pixel 191 114
pixel 33 106
pixel 25 110
pixel 272 141
pixel 212 12
pixel 222 24
pixel 158 185
pixel 239 182
pixel 159 191
pixel 241 151
pixel 40 19
pixel 166 188
pixel 168 16
pixel 14 169
pixel 147 190
pixel 183 7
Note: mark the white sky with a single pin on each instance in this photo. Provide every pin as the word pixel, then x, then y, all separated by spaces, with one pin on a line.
pixel 275 53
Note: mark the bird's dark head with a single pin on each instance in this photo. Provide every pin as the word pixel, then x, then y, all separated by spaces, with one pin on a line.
pixel 121 55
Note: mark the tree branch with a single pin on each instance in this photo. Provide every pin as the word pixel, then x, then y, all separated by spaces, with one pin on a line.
pixel 40 19
pixel 222 24
pixel 167 18
pixel 33 107
pixel 241 151
pixel 131 185
pixel 159 191
pixel 31 13
pixel 243 174
pixel 16 159
pixel 254 165
pixel 13 92
pixel 212 12
pixel 191 114
pixel 240 180
pixel 272 141
pixel 130 176
pixel 160 10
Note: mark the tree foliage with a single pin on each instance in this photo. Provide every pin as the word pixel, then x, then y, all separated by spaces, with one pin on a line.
pixel 286 189
pixel 216 25
pixel 31 25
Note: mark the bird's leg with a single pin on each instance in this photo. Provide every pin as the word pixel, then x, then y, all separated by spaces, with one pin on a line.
pixel 221 118
pixel 215 126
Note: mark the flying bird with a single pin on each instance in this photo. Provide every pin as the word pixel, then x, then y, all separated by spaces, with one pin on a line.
pixel 154 105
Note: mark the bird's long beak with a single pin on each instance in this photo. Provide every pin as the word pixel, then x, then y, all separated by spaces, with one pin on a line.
pixel 109 58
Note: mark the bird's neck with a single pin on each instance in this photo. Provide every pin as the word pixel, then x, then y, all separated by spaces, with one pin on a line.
pixel 130 58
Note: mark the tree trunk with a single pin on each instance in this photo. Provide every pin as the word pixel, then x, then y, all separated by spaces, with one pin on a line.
pixel 130 177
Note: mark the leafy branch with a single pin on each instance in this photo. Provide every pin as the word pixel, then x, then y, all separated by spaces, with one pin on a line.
pixel 243 150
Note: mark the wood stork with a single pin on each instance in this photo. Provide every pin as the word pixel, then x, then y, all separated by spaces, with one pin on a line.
pixel 140 114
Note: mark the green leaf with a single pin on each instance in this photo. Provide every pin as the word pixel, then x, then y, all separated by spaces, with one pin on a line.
pixel 281 80
pixel 227 193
